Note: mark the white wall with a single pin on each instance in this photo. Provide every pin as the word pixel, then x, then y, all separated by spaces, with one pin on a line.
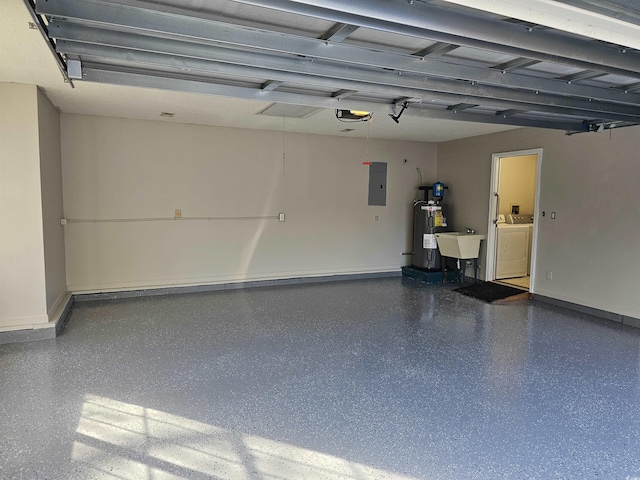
pixel 591 181
pixel 22 273
pixel 51 190
pixel 117 169
pixel 518 183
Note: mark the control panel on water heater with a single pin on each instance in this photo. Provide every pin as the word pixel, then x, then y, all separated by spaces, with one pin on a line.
pixel 434 215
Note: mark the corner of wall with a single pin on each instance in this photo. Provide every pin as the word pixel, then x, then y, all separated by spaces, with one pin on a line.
pixel 52 204
pixel 22 284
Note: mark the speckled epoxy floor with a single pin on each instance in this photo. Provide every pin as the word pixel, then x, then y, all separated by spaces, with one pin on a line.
pixel 377 379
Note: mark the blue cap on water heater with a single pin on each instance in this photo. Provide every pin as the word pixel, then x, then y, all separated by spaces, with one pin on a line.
pixel 438 190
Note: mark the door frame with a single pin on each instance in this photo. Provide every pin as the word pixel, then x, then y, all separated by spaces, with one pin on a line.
pixel 492 240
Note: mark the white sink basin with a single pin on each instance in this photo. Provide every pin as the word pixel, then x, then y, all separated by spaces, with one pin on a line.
pixel 459 244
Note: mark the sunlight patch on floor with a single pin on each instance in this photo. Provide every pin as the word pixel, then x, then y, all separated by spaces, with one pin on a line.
pixel 125 441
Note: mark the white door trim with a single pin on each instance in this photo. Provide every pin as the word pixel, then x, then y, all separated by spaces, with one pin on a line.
pixel 490 272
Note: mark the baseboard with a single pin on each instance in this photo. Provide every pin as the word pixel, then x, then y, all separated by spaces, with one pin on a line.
pixel 27 335
pixel 614 317
pixel 58 317
pixel 160 283
pixel 150 292
pixel 61 315
pixel 24 323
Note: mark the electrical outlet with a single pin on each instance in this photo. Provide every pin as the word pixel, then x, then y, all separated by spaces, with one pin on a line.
pixel 549 275
pixel 281 217
pixel 376 218
pixel 178 213
pixel 553 215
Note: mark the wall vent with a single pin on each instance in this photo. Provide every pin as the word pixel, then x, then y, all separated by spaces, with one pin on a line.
pixel 289 111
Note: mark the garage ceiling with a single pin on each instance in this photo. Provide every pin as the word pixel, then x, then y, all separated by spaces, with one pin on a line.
pixel 441 60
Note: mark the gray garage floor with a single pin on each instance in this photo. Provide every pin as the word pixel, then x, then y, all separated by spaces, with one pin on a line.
pixel 379 379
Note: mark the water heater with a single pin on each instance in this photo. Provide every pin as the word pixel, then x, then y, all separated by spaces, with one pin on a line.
pixel 428 219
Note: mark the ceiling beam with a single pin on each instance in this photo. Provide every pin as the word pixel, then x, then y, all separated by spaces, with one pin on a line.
pixel 340 94
pixel 509 113
pixel 338 32
pixel 158 26
pixel 437 49
pixel 458 107
pixel 336 77
pixel 428 21
pixel 629 87
pixel 408 100
pixel 139 79
pixel 515 64
pixel 270 85
pixel 583 75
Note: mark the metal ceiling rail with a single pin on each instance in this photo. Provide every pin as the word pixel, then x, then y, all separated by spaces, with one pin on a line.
pixel 42 28
pixel 181 64
pixel 95 73
pixel 202 31
pixel 131 48
pixel 340 77
pixel 427 21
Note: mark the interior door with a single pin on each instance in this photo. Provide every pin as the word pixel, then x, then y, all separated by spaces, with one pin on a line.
pixel 495 199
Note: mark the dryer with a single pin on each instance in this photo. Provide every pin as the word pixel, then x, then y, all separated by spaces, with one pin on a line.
pixel 513 247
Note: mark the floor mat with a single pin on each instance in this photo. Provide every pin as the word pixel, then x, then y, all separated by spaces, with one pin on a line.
pixel 491 292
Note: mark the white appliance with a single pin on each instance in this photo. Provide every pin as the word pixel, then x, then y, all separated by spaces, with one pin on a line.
pixel 530 243
pixel 514 247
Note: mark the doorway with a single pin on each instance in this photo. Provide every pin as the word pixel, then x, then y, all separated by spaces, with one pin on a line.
pixel 513 207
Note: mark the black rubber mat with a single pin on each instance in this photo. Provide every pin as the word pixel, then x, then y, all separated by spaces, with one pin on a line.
pixel 489 291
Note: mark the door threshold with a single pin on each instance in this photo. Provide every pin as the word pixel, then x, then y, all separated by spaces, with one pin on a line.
pixel 514 285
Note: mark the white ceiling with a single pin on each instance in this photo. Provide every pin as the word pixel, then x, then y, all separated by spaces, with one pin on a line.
pixel 566 17
pixel 25 58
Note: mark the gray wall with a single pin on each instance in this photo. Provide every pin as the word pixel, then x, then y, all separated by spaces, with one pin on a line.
pixel 51 190
pixel 121 169
pixel 592 181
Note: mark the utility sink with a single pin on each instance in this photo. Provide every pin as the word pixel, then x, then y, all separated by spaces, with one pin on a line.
pixel 459 244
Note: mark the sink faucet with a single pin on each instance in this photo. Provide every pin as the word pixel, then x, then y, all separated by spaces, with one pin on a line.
pixel 470 230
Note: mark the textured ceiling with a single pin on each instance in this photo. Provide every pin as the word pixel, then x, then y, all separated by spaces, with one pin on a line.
pixel 237 57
